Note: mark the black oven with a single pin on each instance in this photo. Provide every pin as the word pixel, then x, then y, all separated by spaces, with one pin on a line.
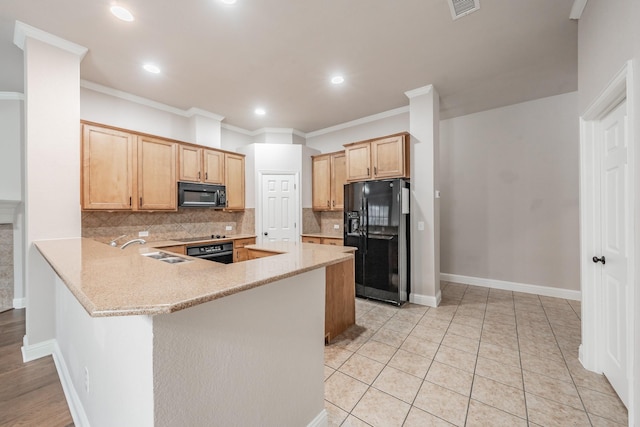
pixel 195 195
pixel 218 252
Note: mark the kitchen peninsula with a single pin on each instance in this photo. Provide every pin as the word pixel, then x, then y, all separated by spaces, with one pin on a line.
pixel 144 342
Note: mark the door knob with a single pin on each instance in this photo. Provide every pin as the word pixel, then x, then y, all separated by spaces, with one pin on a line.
pixel 265 233
pixel 596 259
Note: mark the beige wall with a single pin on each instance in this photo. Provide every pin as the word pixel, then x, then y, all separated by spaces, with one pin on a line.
pixel 509 182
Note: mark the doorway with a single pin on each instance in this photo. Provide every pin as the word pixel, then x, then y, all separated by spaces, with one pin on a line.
pixel 279 207
pixel 607 236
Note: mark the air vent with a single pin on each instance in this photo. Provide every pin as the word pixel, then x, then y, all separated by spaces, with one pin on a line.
pixel 460 8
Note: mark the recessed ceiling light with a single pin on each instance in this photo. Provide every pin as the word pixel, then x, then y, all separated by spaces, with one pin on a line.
pixel 228 1
pixel 151 68
pixel 336 80
pixel 121 13
pixel 260 111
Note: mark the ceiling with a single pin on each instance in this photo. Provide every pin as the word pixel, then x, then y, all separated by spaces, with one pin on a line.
pixel 280 54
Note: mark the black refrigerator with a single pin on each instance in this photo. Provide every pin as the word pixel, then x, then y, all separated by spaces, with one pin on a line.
pixel 376 221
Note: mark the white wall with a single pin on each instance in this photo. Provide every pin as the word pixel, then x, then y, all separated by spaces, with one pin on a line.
pixel 608 34
pixel 234 141
pixel 11 106
pixel 52 178
pixel 509 188
pixel 252 359
pixel 117 354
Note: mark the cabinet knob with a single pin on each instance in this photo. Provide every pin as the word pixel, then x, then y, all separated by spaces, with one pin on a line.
pixel 367 171
pixel 328 205
pixel 198 174
pixel 206 175
pixel 375 170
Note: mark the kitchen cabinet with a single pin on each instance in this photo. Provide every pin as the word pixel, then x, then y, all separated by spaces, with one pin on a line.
pixel 107 168
pixel 333 241
pixel 257 253
pixel 340 310
pixel 198 164
pixel 240 253
pixel 234 181
pixel 157 186
pixel 379 158
pixel 177 249
pixel 328 179
pixel 126 171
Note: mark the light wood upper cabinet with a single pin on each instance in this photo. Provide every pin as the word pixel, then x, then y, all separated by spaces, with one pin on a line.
pixel 213 162
pixel 156 174
pixel 201 165
pixel 328 179
pixel 107 172
pixel 378 158
pixel 234 180
pixel 125 171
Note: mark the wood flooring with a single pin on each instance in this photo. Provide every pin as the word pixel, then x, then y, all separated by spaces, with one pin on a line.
pixel 30 393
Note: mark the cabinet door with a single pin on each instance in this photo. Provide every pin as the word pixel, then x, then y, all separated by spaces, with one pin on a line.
pixel 321 187
pixel 107 168
pixel 307 239
pixel 234 180
pixel 358 158
pixel 156 174
pixel 213 166
pixel 338 179
pixel 333 241
pixel 190 163
pixel 388 157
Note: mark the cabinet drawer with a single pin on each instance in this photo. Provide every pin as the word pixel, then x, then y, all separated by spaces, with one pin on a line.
pixel 306 239
pixel 334 241
pixel 241 243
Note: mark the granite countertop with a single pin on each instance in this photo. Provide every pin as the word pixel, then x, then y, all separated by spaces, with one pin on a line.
pixel 109 281
pixel 178 242
pixel 321 235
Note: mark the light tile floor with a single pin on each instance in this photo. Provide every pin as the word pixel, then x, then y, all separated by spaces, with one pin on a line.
pixel 484 357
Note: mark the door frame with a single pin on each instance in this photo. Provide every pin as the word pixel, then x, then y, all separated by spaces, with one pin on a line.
pixel 260 208
pixel 619 89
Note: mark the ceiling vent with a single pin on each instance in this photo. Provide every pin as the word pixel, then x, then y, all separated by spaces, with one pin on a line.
pixel 460 8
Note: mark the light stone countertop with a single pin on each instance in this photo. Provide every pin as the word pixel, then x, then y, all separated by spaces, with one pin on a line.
pixel 109 281
pixel 325 235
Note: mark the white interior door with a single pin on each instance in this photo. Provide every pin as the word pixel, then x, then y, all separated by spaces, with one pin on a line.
pixel 615 248
pixel 279 207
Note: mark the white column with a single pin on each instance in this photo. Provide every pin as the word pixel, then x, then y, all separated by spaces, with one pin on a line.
pixel 52 165
pixel 424 126
pixel 205 127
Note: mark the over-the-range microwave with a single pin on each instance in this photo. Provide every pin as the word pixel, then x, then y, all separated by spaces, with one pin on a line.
pixel 195 195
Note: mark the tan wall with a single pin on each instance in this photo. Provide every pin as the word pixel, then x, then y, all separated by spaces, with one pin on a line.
pixel 509 206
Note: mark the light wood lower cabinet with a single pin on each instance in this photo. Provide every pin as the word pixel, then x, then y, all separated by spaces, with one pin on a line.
pixel 257 253
pixel 177 249
pixel 333 241
pixel 340 305
pixel 240 253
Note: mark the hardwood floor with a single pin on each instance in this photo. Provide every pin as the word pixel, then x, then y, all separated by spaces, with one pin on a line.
pixel 30 393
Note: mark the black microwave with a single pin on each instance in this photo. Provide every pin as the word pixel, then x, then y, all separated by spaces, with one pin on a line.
pixel 195 195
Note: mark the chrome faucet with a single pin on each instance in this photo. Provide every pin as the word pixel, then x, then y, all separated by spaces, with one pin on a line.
pixel 113 242
pixel 141 241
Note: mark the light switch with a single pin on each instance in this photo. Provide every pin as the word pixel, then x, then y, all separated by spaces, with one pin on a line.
pixel 336 226
pixel 420 225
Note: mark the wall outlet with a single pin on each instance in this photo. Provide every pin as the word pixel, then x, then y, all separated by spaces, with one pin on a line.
pixel 336 226
pixel 86 379
pixel 143 233
pixel 228 228
pixel 420 225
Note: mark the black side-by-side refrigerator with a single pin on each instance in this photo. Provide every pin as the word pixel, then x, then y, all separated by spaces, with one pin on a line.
pixel 376 221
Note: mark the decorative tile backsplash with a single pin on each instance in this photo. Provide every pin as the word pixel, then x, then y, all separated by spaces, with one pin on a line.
pixel 186 222
pixel 322 222
pixel 6 266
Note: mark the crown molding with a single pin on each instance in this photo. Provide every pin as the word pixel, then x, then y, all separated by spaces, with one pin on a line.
pixel 22 31
pixel 199 112
pixel 147 102
pixel 361 121
pixel 236 129
pixel 577 9
pixel 424 90
pixel 11 96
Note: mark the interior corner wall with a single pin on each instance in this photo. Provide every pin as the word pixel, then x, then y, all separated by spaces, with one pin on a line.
pixel 509 193
pixel 52 162
pixel 306 177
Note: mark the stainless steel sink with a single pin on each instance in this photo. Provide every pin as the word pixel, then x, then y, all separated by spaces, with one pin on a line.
pixel 165 257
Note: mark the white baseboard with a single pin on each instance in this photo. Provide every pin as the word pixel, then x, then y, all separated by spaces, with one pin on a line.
pixel 427 300
pixel 36 351
pixel 513 286
pixel 19 303
pixel 73 400
pixel 321 420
